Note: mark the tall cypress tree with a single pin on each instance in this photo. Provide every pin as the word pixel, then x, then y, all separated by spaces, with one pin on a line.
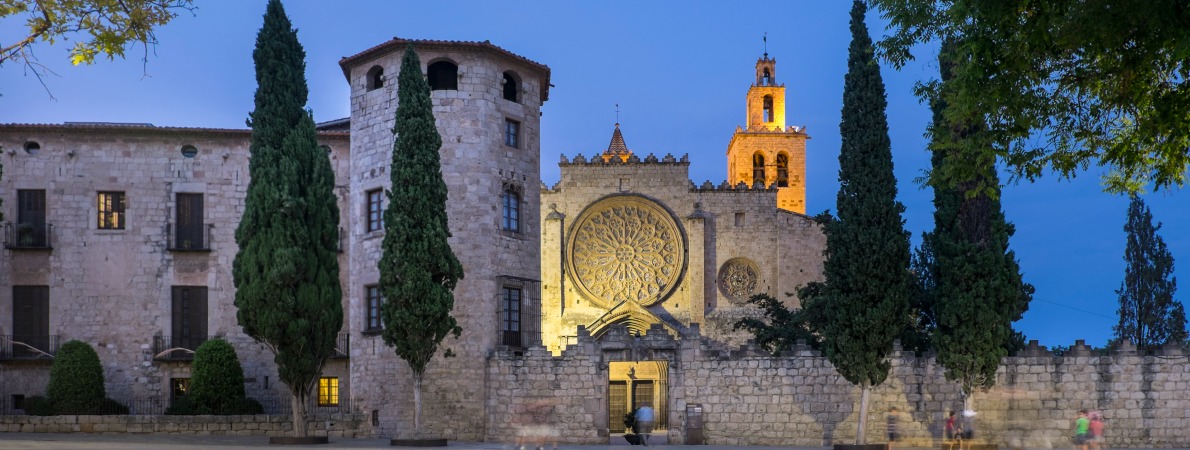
pixel 418 270
pixel 1149 314
pixel 974 289
pixel 864 297
pixel 287 270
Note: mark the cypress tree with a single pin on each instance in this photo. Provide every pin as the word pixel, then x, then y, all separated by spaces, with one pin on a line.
pixel 974 289
pixel 418 270
pixel 287 271
pixel 865 293
pixel 1149 314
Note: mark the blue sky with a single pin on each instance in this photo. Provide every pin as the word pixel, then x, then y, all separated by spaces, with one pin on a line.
pixel 678 70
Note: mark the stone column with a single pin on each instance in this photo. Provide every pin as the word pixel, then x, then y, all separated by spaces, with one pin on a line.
pixel 553 275
pixel 696 270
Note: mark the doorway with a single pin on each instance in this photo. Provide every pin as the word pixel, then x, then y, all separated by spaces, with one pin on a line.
pixel 632 384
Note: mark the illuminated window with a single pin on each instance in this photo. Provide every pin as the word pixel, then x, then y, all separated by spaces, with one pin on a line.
pixel 512 209
pixel 111 210
pixel 512 131
pixel 768 108
pixel 374 300
pixel 511 316
pixel 443 75
pixel 179 388
pixel 375 209
pixel 328 391
pixel 782 170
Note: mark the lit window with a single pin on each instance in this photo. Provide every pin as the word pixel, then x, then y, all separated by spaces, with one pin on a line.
pixel 768 108
pixel 111 210
pixel 328 391
pixel 374 300
pixel 375 209
pixel 512 131
pixel 179 387
pixel 512 210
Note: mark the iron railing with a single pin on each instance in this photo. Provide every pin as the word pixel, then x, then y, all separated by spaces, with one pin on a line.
pixel 28 236
pixel 28 347
pixel 176 348
pixel 188 241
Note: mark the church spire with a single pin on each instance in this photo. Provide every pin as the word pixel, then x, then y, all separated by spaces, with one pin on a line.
pixel 617 148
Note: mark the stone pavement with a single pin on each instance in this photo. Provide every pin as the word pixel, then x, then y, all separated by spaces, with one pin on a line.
pixel 85 441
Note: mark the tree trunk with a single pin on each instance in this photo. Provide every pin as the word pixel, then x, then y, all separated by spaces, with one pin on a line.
pixel 865 392
pixel 299 415
pixel 417 406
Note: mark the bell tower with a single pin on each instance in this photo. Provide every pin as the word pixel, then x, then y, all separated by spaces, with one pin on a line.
pixel 765 150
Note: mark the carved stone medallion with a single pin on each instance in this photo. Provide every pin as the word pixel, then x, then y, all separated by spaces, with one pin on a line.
pixel 737 279
pixel 626 248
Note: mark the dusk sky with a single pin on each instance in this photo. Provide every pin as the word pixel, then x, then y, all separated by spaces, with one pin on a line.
pixel 678 71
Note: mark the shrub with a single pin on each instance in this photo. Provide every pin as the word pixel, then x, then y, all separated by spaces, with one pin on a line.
pixel 181 407
pixel 113 408
pixel 250 406
pixel 216 380
pixel 38 405
pixel 76 380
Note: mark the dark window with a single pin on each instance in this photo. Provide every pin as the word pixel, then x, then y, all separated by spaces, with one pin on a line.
pixel 758 169
pixel 782 170
pixel 511 316
pixel 189 151
pixel 178 388
pixel 768 108
pixel 31 321
pixel 739 219
pixel 443 75
pixel 18 401
pixel 189 317
pixel 328 391
pixel 31 212
pixel 375 209
pixel 190 222
pixel 512 131
pixel 32 147
pixel 375 78
pixel 374 300
pixel 511 87
pixel 111 210
pixel 767 79
pixel 512 209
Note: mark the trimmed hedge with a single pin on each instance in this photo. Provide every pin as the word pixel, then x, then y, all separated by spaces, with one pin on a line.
pixel 76 380
pixel 216 381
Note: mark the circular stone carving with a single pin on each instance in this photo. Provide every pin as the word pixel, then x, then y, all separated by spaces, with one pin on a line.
pixel 626 248
pixel 737 279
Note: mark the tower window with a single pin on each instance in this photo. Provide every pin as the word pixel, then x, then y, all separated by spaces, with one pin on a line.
pixel 512 131
pixel 511 87
pixel 375 78
pixel 373 314
pixel 510 320
pixel 782 170
pixel 768 108
pixel 375 210
pixel 758 169
pixel 443 75
pixel 512 209
pixel 767 78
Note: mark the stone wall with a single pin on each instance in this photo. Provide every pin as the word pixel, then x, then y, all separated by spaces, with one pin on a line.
pixel 751 398
pixel 336 425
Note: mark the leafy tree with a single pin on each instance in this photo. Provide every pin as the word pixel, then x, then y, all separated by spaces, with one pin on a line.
pixel 864 298
pixel 1149 314
pixel 76 380
pixel 781 328
pixel 1061 84
pixel 418 270
pixel 971 281
pixel 287 271
pixel 217 380
pixel 98 27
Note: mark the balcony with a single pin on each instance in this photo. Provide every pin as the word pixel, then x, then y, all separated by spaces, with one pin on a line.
pixel 342 346
pixel 27 348
pixel 189 238
pixel 176 348
pixel 28 236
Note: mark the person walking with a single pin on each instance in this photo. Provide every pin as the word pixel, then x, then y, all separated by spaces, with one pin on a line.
pixel 644 421
pixel 1081 426
pixel 1096 430
pixel 951 434
pixel 892 427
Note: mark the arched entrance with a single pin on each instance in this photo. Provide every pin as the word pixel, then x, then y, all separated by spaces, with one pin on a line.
pixel 632 384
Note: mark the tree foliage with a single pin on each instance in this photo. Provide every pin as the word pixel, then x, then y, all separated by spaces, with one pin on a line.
pixel 1149 314
pixel 287 271
pixel 781 328
pixel 864 297
pixel 970 280
pixel 76 380
pixel 216 379
pixel 1061 84
pixel 418 269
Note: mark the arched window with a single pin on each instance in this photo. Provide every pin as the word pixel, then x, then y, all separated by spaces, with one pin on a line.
pixel 443 75
pixel 758 169
pixel 375 78
pixel 768 108
pixel 767 79
pixel 512 209
pixel 782 170
pixel 511 87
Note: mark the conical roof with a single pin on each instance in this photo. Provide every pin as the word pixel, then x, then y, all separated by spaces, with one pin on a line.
pixel 617 147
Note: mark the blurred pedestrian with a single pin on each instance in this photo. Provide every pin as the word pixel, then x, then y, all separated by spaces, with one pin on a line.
pixel 1082 426
pixel 950 428
pixel 892 427
pixel 1096 430
pixel 644 420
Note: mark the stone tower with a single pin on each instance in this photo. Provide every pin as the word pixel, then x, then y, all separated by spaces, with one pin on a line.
pixel 487 107
pixel 765 151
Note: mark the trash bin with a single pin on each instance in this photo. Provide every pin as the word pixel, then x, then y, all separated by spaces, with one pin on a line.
pixel 694 434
